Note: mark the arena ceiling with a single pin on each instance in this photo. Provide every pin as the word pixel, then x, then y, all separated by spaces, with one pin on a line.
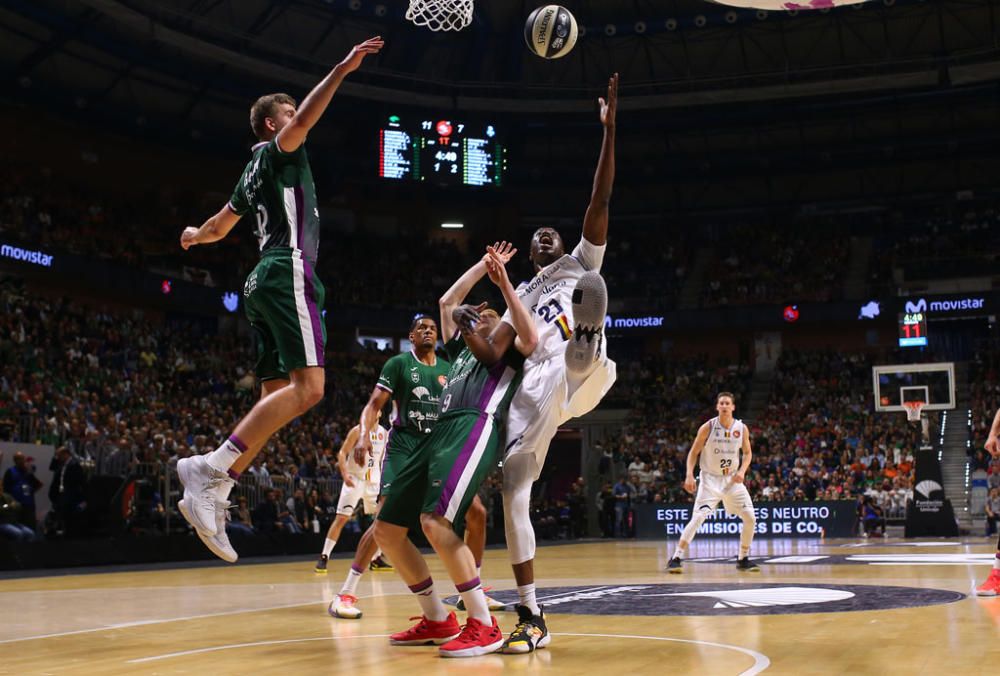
pixel 199 53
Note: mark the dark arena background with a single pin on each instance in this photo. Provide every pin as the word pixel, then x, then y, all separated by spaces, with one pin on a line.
pixel 805 214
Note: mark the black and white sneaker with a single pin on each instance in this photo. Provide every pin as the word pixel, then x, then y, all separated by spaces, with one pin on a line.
pixel 590 306
pixel 529 635
pixel 674 566
pixel 746 565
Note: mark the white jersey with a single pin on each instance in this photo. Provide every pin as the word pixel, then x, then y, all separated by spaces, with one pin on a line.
pixel 721 454
pixel 372 467
pixel 549 298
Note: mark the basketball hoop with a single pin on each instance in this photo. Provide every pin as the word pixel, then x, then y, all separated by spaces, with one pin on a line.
pixel 440 15
pixel 913 409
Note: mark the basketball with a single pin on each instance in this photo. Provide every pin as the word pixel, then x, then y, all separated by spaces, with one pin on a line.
pixel 550 31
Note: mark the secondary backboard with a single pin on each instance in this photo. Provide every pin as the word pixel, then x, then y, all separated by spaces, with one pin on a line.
pixel 934 384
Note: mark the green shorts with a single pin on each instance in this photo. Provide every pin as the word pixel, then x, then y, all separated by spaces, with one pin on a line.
pixel 283 299
pixel 398 450
pixel 444 474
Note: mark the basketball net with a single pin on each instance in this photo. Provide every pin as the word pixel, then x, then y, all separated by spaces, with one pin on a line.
pixel 440 15
pixel 913 409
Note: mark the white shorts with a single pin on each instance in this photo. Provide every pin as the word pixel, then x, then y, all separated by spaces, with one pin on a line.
pixel 362 490
pixel 713 488
pixel 543 402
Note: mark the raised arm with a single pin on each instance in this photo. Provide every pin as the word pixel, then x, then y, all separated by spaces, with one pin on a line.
pixel 595 222
pixel 454 296
pixel 696 448
pixel 524 325
pixel 346 449
pixel 369 418
pixel 212 230
pixel 314 105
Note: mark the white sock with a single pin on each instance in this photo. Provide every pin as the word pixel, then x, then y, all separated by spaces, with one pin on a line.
pixel 351 583
pixel 224 456
pixel 475 600
pixel 430 604
pixel 996 562
pixel 680 552
pixel 328 547
pixel 526 593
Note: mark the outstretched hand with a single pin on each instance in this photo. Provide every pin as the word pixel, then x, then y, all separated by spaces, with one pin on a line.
pixel 358 53
pixel 502 250
pixel 496 266
pixel 609 106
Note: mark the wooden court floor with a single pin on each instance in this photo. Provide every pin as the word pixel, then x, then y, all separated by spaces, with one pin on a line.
pixel 816 607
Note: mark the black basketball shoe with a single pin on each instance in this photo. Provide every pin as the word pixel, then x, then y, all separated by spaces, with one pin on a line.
pixel 745 564
pixel 529 635
pixel 674 566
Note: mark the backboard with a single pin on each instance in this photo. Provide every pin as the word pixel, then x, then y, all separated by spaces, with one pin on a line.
pixel 893 384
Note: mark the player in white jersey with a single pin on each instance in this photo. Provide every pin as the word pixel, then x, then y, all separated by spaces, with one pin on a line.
pixel 565 377
pixel 717 450
pixel 361 483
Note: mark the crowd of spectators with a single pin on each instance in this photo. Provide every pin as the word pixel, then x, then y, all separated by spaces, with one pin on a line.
pixel 131 394
pixel 954 240
pixel 765 265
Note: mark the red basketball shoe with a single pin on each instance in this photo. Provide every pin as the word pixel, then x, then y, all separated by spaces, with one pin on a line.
pixel 992 585
pixel 476 639
pixel 426 632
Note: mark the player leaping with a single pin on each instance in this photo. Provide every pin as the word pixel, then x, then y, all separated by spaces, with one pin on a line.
pixel 565 377
pixel 283 296
pixel 717 449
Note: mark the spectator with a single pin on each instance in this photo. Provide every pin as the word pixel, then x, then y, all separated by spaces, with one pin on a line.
pixel 67 493
pixel 623 492
pixel 20 483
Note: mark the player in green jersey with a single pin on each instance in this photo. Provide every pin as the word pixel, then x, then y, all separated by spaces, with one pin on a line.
pixel 283 296
pixel 440 480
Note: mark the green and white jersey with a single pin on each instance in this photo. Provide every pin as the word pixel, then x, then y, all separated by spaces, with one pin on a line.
pixel 416 391
pixel 474 386
pixel 277 187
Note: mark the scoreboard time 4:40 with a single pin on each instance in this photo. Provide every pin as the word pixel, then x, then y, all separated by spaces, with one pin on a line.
pixel 441 150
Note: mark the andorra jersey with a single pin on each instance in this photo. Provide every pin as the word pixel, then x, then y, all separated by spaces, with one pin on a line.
pixel 721 454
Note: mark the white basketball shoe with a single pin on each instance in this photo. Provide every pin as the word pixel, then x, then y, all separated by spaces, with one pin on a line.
pixel 590 307
pixel 219 543
pixel 201 483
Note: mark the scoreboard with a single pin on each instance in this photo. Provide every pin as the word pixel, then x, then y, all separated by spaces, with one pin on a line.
pixel 441 150
pixel 913 329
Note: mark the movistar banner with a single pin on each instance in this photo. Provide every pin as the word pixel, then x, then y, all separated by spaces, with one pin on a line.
pixel 965 304
pixel 792 519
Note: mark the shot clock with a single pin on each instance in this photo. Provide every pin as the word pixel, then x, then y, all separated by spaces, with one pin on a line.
pixel 913 329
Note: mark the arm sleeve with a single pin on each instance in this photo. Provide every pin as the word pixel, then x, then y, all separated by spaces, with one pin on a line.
pixel 388 379
pixel 590 255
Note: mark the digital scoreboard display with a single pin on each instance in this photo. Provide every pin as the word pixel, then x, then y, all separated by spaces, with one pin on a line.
pixel 913 329
pixel 441 150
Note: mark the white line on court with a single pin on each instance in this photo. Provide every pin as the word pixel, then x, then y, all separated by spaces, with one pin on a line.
pixel 760 661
